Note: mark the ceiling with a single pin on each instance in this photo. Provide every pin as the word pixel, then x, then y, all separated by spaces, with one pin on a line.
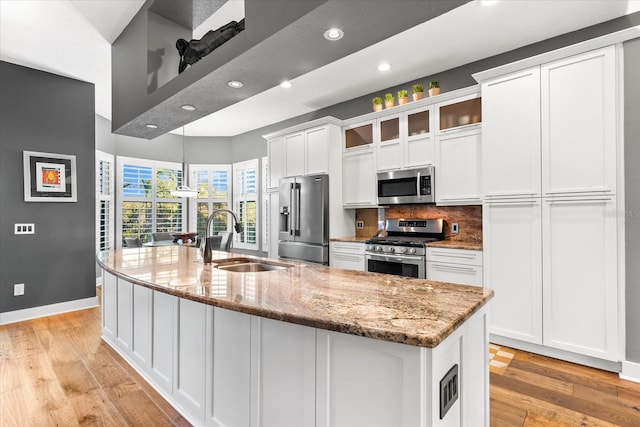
pixel 72 38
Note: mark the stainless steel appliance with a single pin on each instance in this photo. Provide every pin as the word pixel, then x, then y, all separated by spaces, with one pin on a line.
pixel 402 252
pixel 304 218
pixel 406 186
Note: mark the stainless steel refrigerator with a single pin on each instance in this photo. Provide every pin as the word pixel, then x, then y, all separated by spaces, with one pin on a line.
pixel 304 218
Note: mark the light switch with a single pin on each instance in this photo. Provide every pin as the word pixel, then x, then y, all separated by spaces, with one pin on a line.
pixel 24 229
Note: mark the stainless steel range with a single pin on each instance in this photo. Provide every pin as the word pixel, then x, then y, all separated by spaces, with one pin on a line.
pixel 402 252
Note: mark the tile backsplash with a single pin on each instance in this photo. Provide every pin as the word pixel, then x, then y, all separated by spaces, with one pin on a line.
pixel 469 219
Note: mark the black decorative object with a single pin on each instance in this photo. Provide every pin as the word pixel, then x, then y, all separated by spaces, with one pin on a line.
pixel 194 50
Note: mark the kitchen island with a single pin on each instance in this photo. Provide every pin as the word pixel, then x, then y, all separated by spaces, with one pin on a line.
pixel 305 345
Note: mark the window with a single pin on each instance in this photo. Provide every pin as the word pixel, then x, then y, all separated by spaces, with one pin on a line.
pixel 104 201
pixel 245 200
pixel 146 204
pixel 213 184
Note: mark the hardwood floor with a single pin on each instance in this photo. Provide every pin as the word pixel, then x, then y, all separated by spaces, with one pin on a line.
pixel 56 371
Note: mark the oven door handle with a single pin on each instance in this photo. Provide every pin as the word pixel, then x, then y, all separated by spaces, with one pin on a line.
pixel 402 258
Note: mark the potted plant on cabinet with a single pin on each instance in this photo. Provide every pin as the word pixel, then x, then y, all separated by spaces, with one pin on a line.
pixel 389 101
pixel 417 91
pixel 434 88
pixel 403 97
pixel 377 103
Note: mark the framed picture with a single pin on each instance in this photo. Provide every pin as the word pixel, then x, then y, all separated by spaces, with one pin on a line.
pixel 49 177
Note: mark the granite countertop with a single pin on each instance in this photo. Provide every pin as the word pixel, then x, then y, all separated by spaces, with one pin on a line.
pixel 353 239
pixel 391 308
pixel 473 245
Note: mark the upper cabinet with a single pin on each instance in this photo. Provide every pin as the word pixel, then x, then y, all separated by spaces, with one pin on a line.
pixel 358 136
pixel 579 124
pixel 511 135
pixel 302 150
pixel 458 151
pixel 404 140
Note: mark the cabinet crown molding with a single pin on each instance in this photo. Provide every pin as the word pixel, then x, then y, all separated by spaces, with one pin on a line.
pixel 304 126
pixel 564 52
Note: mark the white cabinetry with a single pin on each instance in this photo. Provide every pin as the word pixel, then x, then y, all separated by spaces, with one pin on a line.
pixel 109 305
pixel 512 247
pixel 549 217
pixel 511 134
pixel 459 266
pixel 308 149
pixel 348 255
pixel 283 373
pixel 359 179
pixel 458 147
pixel 404 140
pixel 580 292
pixel 579 129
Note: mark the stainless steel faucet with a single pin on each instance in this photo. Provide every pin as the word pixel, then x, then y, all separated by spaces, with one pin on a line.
pixel 206 245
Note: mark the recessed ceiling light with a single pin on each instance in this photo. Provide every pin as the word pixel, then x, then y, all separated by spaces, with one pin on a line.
pixel 333 34
pixel 188 107
pixel 235 84
pixel 151 126
pixel 286 84
pixel 384 66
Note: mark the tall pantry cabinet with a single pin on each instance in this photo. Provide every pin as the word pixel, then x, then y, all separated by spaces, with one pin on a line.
pixel 549 211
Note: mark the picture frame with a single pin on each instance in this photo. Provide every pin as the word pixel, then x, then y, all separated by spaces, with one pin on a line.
pixel 49 177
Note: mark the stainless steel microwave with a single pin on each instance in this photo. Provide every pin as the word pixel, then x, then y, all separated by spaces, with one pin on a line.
pixel 406 186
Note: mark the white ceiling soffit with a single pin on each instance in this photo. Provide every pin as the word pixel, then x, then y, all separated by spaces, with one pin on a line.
pixel 466 34
pixel 68 38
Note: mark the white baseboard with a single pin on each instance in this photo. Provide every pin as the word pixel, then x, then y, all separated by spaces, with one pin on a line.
pixel 567 356
pixel 47 310
pixel 630 371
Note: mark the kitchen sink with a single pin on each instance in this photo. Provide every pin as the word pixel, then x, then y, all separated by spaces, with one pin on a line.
pixel 248 265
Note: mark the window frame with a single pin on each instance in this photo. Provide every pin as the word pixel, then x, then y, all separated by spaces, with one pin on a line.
pixel 105 227
pixel 240 197
pixel 211 200
pixel 154 200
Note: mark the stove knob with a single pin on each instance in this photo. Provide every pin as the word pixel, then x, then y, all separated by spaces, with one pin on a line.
pixel 412 251
pixel 401 250
pixel 379 248
pixel 370 247
pixel 392 249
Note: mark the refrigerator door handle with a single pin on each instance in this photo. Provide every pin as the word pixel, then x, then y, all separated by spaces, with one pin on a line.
pixel 297 205
pixel 293 209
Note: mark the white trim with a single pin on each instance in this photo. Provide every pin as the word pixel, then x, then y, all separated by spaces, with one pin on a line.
pixel 47 310
pixel 304 126
pixel 574 49
pixel 630 371
pixel 568 356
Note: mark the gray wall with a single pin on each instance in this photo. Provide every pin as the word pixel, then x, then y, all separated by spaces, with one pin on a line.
pixel 44 112
pixel 632 195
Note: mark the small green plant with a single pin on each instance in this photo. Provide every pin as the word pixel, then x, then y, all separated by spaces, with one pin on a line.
pixel 388 97
pixel 402 93
pixel 376 100
pixel 417 88
pixel 434 84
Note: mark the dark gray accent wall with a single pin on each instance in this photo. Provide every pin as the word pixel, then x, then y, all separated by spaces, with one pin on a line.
pixel 45 112
pixel 632 195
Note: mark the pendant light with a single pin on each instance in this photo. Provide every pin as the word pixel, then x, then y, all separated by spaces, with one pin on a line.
pixel 184 190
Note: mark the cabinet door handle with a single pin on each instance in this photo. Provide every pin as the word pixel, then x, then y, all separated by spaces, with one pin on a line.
pixel 576 201
pixel 460 198
pixel 449 255
pixel 453 268
pixel 510 202
pixel 577 192
pixel 508 195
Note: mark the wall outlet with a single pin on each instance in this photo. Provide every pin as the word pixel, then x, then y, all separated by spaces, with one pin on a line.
pixel 360 225
pixel 18 289
pixel 24 229
pixel 454 228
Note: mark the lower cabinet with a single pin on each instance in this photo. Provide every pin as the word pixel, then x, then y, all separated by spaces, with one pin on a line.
pixel 347 255
pixel 461 266
pixel 222 368
pixel 553 264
